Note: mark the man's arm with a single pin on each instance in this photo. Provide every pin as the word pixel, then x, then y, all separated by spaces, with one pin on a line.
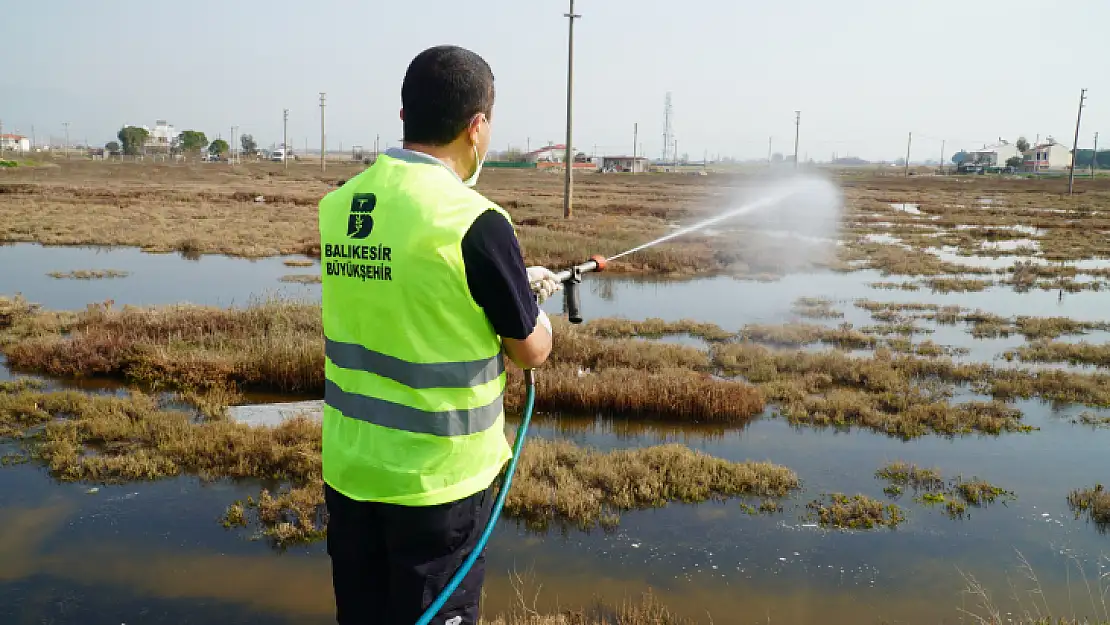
pixel 498 282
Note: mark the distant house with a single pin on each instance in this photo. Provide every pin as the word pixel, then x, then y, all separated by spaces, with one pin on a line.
pixel 990 157
pixel 549 154
pixel 15 143
pixel 631 164
pixel 1049 156
pixel 162 137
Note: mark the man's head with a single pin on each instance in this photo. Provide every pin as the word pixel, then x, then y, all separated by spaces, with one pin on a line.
pixel 447 98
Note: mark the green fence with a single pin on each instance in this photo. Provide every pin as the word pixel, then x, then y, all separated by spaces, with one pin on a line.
pixel 509 165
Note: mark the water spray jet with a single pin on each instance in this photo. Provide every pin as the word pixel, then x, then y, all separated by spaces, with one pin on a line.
pixel 572 277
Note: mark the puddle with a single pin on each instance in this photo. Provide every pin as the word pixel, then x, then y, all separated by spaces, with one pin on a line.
pixel 913 209
pixel 1011 245
pixel 155 279
pixel 884 239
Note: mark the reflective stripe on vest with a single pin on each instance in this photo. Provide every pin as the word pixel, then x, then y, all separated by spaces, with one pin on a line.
pixel 453 422
pixel 412 374
pixel 415 378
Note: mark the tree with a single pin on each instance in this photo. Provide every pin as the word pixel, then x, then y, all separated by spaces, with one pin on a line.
pixel 132 138
pixel 112 147
pixel 959 157
pixel 249 144
pixel 193 141
pixel 1015 162
pixel 512 155
pixel 219 147
pixel 1022 145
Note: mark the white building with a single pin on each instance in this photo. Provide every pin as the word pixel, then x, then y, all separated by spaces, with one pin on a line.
pixel 548 154
pixel 993 155
pixel 15 143
pixel 162 136
pixel 1050 156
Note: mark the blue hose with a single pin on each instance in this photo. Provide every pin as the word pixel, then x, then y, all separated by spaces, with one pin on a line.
pixel 449 589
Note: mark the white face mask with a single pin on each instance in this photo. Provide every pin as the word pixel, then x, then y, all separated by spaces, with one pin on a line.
pixel 473 179
pixel 480 160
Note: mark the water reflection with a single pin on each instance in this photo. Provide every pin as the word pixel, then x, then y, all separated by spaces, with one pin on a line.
pixel 153 552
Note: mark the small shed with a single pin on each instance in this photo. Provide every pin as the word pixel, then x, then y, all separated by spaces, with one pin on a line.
pixel 627 164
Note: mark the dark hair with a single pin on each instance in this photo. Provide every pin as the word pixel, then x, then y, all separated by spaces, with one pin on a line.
pixel 444 88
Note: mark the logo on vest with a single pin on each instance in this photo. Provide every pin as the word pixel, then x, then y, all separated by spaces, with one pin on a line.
pixel 360 223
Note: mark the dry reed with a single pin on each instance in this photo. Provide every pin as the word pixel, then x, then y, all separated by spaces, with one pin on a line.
pixel 1095 502
pixel 854 512
pixel 89 274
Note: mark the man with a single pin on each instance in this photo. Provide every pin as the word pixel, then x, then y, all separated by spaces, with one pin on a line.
pixel 424 289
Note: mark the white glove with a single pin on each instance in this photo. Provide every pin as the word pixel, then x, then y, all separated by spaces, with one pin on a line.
pixel 543 282
pixel 544 321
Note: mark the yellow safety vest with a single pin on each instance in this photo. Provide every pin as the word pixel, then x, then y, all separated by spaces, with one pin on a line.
pixel 414 371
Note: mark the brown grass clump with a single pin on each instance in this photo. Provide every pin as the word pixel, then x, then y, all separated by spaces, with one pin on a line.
pixel 557 480
pixel 612 328
pixel 89 274
pixel 1055 351
pixel 1093 501
pixel 1093 420
pixel 298 262
pixel 855 512
pixel 270 345
pixel 1055 327
pixel 804 334
pixel 906 474
pixel 957 285
pixel 978 492
pixel 902 396
pixel 302 278
pixel 816 308
pixel 114 439
pixel 663 394
pixel 890 286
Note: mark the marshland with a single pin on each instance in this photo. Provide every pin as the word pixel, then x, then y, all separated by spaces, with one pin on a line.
pixel 847 435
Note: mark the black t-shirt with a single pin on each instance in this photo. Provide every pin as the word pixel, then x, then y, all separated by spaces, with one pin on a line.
pixel 496 277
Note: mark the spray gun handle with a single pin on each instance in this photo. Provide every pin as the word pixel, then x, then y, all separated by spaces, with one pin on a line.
pixel 596 263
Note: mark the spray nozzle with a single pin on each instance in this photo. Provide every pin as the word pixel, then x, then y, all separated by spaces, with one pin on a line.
pixel 571 278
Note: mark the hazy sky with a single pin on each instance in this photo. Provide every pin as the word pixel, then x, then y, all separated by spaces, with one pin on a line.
pixel 863 72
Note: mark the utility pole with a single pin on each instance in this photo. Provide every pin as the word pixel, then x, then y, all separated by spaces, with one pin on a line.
pixel 285 139
pixel 942 142
pixel 66 124
pixel 769 140
pixel 1075 144
pixel 1094 159
pixel 909 142
pixel 635 142
pixel 232 151
pixel 676 154
pixel 377 138
pixel 797 133
pixel 32 137
pixel 323 142
pixel 568 181
pixel 1 138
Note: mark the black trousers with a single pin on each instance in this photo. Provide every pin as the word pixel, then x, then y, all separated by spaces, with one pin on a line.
pixel 390 562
